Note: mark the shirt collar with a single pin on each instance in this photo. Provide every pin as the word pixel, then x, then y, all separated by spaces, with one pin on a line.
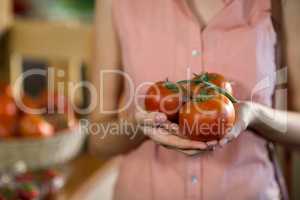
pixel 184 7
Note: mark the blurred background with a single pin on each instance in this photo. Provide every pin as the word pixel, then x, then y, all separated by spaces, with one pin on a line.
pixel 36 34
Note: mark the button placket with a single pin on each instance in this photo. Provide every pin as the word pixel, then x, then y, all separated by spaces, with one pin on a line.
pixel 195 63
pixel 195 53
pixel 193 177
pixel 196 49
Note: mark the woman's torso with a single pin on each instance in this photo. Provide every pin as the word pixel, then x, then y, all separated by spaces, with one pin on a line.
pixel 162 39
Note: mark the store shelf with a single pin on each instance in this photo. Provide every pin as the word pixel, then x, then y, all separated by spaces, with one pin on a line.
pixel 51 40
pixel 70 42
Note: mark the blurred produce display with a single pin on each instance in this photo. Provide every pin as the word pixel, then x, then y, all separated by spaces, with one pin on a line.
pixel 30 185
pixel 20 122
pixel 21 7
pixel 74 10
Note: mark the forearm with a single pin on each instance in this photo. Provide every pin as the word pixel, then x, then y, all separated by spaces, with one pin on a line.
pixel 276 125
pixel 111 137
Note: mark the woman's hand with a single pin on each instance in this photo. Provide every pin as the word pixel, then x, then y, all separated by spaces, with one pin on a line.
pixel 244 117
pixel 159 129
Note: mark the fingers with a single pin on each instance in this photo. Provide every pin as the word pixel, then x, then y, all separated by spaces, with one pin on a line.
pixel 190 152
pixel 228 138
pixel 236 130
pixel 186 152
pixel 158 128
pixel 171 127
pixel 150 118
pixel 156 119
pixel 155 133
pixel 223 142
pixel 211 145
pixel 164 137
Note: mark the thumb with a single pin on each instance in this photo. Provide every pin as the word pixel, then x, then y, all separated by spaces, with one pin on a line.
pixel 150 118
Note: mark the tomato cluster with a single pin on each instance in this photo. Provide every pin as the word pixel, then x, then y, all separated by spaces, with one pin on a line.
pixel 15 122
pixel 8 115
pixel 203 106
pixel 164 97
pixel 31 185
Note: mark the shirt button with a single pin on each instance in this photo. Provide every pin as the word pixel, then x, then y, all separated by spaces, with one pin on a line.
pixel 195 53
pixel 194 179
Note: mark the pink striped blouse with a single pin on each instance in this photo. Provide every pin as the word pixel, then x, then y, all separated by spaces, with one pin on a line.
pixel 162 38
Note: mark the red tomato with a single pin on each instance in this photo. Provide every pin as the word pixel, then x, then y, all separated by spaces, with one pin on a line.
pixel 5 131
pixel 8 116
pixel 32 103
pixel 60 121
pixel 24 178
pixel 164 97
pixel 28 191
pixel 220 81
pixel 62 108
pixel 207 120
pixel 5 89
pixel 35 126
pixel 214 78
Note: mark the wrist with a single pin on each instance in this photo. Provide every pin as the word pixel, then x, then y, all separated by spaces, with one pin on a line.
pixel 254 111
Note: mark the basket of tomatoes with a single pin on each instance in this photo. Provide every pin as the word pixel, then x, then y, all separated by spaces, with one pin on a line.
pixel 31 185
pixel 38 140
pixel 202 106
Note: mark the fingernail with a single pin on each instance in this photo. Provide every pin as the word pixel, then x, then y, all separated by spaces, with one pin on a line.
pixel 174 127
pixel 159 118
pixel 212 143
pixel 202 146
pixel 223 142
